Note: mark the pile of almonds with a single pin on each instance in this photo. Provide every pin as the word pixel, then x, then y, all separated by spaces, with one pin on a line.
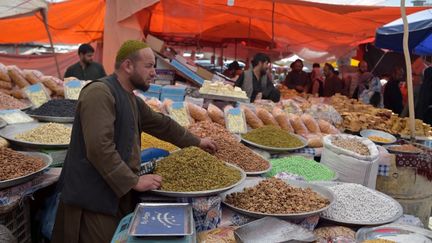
pixel 14 164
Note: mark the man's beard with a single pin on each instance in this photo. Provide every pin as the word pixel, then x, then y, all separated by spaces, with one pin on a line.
pixel 263 72
pixel 138 82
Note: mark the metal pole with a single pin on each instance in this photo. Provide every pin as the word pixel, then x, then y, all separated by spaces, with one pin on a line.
pixel 408 71
pixel 45 20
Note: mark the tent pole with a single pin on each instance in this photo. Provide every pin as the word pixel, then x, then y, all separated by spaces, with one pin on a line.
pixel 45 20
pixel 408 71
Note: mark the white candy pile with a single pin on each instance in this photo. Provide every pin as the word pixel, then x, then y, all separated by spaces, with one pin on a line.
pixel 357 203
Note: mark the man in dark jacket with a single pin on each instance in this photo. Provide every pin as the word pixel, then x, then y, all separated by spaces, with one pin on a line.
pixel 257 82
pixel 86 68
pixel 392 92
pixel 100 171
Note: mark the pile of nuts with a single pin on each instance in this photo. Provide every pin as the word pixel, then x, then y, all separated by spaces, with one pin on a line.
pixel 48 133
pixel 229 149
pixel 351 144
pixel 15 164
pixel 9 102
pixel 274 196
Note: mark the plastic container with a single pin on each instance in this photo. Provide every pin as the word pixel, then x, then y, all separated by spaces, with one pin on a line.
pixel 174 90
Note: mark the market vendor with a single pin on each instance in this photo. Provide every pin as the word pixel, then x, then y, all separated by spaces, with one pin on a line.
pixel 99 174
pixel 86 68
pixel 298 79
pixel 332 83
pixel 234 71
pixel 257 82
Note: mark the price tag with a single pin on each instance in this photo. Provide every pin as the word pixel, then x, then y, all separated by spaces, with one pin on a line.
pixel 73 89
pixel 14 116
pixel 179 113
pixel 235 121
pixel 36 94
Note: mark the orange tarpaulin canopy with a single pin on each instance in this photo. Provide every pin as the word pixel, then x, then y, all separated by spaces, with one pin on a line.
pixel 315 31
pixel 70 22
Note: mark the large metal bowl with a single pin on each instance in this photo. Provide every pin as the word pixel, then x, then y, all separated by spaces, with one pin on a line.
pixel 361 223
pixel 11 131
pixel 19 180
pixel 53 119
pixel 2 123
pixel 203 193
pixel 322 191
pixel 371 132
pixel 275 149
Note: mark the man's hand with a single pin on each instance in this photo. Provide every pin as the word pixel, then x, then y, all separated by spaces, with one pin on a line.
pixel 148 182
pixel 208 145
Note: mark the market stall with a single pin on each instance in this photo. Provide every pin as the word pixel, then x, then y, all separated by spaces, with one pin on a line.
pixel 306 164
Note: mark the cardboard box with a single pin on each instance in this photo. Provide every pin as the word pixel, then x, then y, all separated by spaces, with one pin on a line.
pixel 175 98
pixel 156 44
pixel 204 73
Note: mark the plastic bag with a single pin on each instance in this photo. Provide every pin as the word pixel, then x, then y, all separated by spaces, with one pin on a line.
pixel 32 76
pixel 179 112
pixel 216 114
pixel 266 117
pixel 4 73
pixel 235 120
pixel 298 125
pixel 17 77
pixel 310 123
pixel 198 113
pixel 284 122
pixel 251 118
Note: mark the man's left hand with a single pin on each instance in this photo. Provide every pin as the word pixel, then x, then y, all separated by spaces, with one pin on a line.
pixel 208 145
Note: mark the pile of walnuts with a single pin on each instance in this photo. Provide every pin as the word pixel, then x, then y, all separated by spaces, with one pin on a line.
pixel 274 196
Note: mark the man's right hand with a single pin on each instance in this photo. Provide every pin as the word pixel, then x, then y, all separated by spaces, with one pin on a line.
pixel 148 182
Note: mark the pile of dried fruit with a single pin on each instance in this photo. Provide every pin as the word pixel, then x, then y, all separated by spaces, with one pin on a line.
pixel 273 136
pixel 14 164
pixel 229 149
pixel 274 196
pixel 192 169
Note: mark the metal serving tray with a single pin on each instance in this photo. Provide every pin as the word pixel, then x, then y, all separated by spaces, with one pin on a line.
pixel 19 180
pixel 53 119
pixel 11 131
pixel 324 192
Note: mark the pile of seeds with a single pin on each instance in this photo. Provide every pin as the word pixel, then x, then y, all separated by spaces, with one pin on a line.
pixel 48 133
pixel 8 102
pixel 273 136
pixel 274 196
pixel 14 164
pixel 56 108
pixel 357 203
pixel 308 169
pixel 352 144
pixel 192 169
pixel 149 141
pixel 229 149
